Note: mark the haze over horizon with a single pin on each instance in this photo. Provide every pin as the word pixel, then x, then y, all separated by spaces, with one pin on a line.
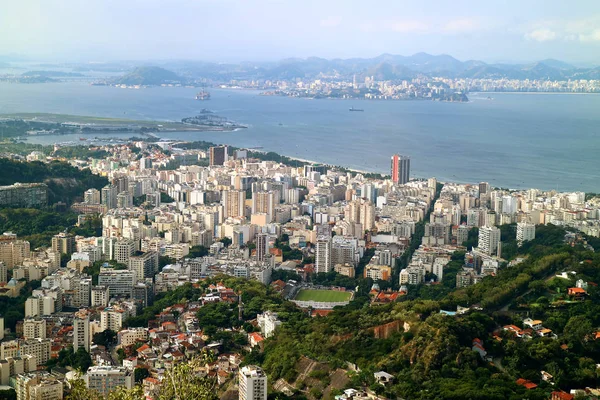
pixel 269 30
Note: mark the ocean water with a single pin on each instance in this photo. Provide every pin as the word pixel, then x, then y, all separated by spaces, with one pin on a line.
pixel 547 141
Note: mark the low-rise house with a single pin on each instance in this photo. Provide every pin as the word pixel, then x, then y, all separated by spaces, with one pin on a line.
pixel 576 293
pixel 526 384
pixel 536 324
pixel 383 377
pixel 560 395
pixel 546 376
pixel 478 347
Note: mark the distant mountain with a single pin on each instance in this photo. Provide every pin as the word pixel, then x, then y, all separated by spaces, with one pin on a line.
pixel 388 72
pixel 383 67
pixel 557 64
pixel 149 76
pixel 53 74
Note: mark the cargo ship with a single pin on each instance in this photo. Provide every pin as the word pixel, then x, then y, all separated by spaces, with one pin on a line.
pixel 203 95
pixel 355 109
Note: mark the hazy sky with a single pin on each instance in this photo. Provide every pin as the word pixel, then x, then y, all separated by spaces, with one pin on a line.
pixel 234 30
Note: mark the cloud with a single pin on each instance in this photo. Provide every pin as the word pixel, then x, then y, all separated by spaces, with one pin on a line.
pixel 412 26
pixel 429 26
pixel 581 30
pixel 593 36
pixel 541 35
pixel 462 25
pixel 331 22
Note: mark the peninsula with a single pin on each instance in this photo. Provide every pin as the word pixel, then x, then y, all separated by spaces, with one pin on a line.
pixel 24 124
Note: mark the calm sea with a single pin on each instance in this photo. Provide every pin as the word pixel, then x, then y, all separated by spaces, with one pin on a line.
pixel 548 141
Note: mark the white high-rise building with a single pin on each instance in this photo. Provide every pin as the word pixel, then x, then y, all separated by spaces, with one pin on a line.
pixel 525 232
pixel 119 282
pixel 81 331
pixel 36 306
pixel 34 328
pixel 252 383
pixel 92 196
pixel 105 379
pixel 323 261
pixel 489 240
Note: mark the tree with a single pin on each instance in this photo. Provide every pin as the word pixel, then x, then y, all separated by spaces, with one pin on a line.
pixel 9 394
pixel 140 374
pixel 105 338
pixel 198 251
pixel 182 382
pixel 163 261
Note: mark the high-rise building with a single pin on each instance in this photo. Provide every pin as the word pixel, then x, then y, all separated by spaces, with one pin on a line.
pixel 99 296
pixel 264 203
pixel 105 379
pixel 489 240
pixel 40 348
pixel 525 232
pixel 38 386
pixel 124 249
pixel 124 199
pixel 3 273
pixel 323 261
pixel 218 155
pixel 13 252
pixel 81 331
pixel 462 234
pixel 144 265
pixel 262 246
pixel 34 328
pixel 361 211
pixel 64 243
pixel 92 196
pixel 109 196
pixel 400 169
pixel 37 306
pixel 252 383
pixel 234 203
pixel 119 282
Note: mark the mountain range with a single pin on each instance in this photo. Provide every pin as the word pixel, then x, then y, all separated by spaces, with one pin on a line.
pixel 383 67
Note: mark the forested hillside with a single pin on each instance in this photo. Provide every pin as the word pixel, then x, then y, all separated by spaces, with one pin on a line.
pixel 433 358
pixel 65 183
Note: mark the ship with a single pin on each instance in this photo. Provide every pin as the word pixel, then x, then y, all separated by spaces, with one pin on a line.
pixel 203 95
pixel 355 109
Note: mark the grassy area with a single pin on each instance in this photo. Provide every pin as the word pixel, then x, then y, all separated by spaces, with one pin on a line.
pixel 322 295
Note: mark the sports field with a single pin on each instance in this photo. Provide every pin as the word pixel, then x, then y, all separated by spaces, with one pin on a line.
pixel 322 295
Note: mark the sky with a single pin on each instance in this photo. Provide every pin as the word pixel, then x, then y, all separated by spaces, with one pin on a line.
pixel 269 30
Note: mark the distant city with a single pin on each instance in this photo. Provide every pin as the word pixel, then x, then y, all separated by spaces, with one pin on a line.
pixel 421 76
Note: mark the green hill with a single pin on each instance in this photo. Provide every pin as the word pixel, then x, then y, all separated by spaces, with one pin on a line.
pixel 149 76
pixel 65 183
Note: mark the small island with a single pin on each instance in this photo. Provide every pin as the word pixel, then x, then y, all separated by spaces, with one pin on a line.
pixel 211 121
pixel 145 77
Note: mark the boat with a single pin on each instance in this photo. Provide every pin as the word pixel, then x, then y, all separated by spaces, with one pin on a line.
pixel 203 95
pixel 355 109
pixel 82 139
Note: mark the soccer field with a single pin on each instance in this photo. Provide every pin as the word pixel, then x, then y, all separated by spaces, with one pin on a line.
pixel 322 295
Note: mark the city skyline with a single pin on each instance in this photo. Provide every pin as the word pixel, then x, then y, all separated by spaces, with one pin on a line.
pixel 233 31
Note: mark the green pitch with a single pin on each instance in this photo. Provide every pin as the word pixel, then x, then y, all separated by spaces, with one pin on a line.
pixel 322 295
